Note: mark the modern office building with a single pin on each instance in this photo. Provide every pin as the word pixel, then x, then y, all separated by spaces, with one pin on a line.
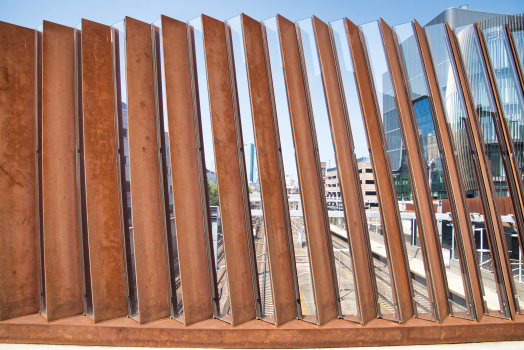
pixel 250 154
pixel 389 162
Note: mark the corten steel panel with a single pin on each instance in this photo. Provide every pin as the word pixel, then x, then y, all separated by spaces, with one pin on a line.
pixel 280 261
pixel 191 242
pixel 513 174
pixel 257 334
pixel 18 250
pixel 348 177
pixel 63 277
pixel 397 262
pixel 228 172
pixel 428 231
pixel 455 186
pixel 314 213
pixel 103 215
pixel 499 251
pixel 146 206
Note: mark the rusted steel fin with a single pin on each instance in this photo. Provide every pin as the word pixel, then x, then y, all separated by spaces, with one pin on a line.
pixel 63 275
pixel 18 250
pixel 184 153
pixel 325 292
pixel 146 206
pixel 103 215
pixel 231 189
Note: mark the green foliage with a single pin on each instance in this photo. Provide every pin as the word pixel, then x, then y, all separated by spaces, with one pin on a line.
pixel 250 190
pixel 212 190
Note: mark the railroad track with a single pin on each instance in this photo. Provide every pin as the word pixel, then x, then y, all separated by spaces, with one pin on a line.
pixel 383 283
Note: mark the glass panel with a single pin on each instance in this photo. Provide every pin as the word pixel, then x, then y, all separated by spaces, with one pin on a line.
pixel 330 176
pixel 455 273
pixel 484 103
pixel 512 103
pixel 80 179
pixel 385 94
pixel 38 166
pixel 119 64
pixel 518 41
pixel 250 160
pixel 200 81
pixel 299 232
pixel 456 116
pixel 387 306
pixel 177 310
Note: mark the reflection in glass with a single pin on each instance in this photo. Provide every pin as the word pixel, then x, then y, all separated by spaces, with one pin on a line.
pixel 238 59
pixel 177 309
pixel 458 121
pixel 421 100
pixel 487 112
pixel 512 103
pixel 386 299
pixel 198 64
pixel 330 176
pixel 119 77
pixel 299 232
pixel 518 42
pixel 385 95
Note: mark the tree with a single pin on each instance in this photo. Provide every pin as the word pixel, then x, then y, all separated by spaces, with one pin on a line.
pixel 212 191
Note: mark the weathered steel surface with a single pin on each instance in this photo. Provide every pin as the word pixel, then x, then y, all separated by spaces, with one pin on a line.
pixel 228 172
pixel 308 168
pixel 497 242
pixel 455 187
pixel 63 277
pixel 257 334
pixel 280 259
pixel 18 250
pixel 348 177
pixel 103 216
pixel 146 206
pixel 191 242
pixel 429 236
pixel 398 266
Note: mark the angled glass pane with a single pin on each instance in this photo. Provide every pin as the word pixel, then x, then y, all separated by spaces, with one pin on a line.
pixel 119 77
pixel 424 115
pixel 511 99
pixel 299 232
pixel 399 162
pixel 518 41
pixel 198 64
pixel 177 309
pixel 483 97
pixel 332 194
pixel 238 62
pixel 458 121
pixel 387 305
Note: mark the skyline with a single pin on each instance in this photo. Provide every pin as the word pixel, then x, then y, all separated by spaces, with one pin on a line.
pixel 31 13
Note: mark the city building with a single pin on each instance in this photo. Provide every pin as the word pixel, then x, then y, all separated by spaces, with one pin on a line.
pixel 367 182
pixel 250 154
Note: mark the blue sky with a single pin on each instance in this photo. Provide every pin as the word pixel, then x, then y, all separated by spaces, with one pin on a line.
pixel 30 14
